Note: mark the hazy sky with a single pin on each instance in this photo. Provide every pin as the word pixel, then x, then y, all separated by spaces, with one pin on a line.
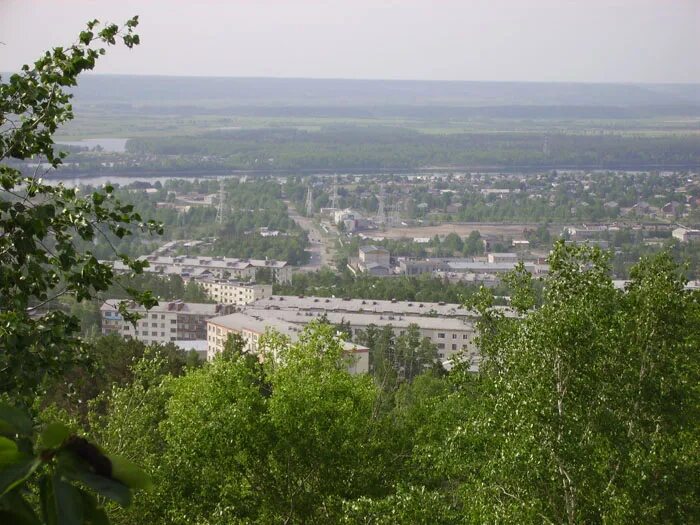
pixel 547 40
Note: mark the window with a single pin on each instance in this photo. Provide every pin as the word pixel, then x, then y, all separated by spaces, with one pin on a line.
pixel 154 325
pixel 454 336
pixel 154 316
pixel 441 346
pixel 162 316
pixel 162 334
pixel 173 321
pixel 441 335
pixel 173 330
pixel 454 347
pixel 465 336
pixel 154 334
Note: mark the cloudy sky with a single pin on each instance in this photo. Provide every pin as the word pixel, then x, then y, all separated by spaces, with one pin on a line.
pixel 526 40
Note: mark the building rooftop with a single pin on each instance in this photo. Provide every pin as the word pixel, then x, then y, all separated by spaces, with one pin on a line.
pixel 259 322
pixel 363 319
pixel 167 307
pixel 336 304
pixel 214 263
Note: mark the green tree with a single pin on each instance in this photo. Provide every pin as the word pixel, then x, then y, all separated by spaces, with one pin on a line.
pixel 39 262
pixel 587 407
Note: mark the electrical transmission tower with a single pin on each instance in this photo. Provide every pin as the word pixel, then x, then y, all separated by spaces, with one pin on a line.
pixel 334 197
pixel 395 214
pixel 309 202
pixel 381 215
pixel 222 199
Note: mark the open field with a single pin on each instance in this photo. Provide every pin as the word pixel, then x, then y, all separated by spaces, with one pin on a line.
pixel 487 229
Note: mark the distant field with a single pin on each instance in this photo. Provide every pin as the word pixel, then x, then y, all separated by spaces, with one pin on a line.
pixel 97 123
pixel 463 230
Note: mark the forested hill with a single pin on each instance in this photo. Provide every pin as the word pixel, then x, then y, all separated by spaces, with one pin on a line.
pixel 217 91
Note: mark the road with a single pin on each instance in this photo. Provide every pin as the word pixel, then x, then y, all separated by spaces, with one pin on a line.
pixel 320 246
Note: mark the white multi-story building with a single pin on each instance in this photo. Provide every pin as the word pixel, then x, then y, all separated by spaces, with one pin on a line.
pixel 239 293
pixel 686 234
pixel 167 322
pixel 252 327
pixel 449 326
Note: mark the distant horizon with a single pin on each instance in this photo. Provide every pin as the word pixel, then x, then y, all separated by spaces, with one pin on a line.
pixel 572 41
pixel 378 79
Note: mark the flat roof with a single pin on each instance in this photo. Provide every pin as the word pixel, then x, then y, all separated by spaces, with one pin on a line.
pixel 362 319
pixel 371 306
pixel 165 307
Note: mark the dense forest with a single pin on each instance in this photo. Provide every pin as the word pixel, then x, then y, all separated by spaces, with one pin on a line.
pixel 375 147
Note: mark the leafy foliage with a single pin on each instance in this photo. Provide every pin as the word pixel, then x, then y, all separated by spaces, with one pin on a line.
pixel 39 260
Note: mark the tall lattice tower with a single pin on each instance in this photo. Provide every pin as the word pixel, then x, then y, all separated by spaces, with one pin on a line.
pixel 381 214
pixel 309 202
pixel 334 196
pixel 545 146
pixel 220 212
pixel 395 214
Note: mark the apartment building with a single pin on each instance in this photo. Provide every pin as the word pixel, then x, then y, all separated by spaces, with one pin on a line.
pixel 451 335
pixel 226 291
pixel 217 267
pixel 449 326
pixel 169 321
pixel 251 327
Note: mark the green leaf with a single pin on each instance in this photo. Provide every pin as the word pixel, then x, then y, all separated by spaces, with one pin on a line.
pixel 68 502
pixel 107 487
pixel 7 445
pixel 53 435
pixel 129 473
pixel 14 421
pixel 14 474
pixel 15 509
pixel 93 512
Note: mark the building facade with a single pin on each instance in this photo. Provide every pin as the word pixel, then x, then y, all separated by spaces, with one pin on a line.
pixel 167 322
pixel 251 327
pixel 238 293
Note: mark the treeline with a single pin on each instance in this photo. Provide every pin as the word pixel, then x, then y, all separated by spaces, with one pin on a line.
pixel 373 147
pixel 326 283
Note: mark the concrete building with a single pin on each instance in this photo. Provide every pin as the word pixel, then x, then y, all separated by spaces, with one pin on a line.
pixel 686 234
pixel 449 326
pixel 374 254
pixel 374 260
pixel 495 258
pixel 219 267
pixel 227 291
pixel 251 327
pixel 169 321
